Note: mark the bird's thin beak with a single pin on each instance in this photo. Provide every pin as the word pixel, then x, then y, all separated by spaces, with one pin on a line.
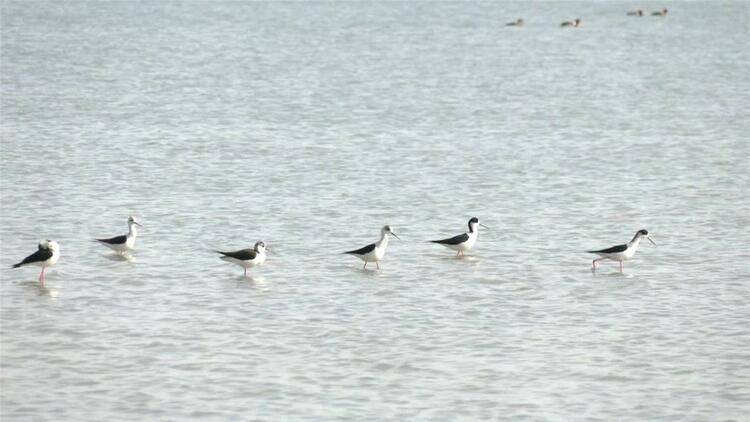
pixel 649 239
pixel 484 226
pixel 394 234
pixel 139 224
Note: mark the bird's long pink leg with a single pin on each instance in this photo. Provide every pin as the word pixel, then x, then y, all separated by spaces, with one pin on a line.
pixel 41 275
pixel 245 275
pixel 364 266
pixel 620 266
pixel 377 265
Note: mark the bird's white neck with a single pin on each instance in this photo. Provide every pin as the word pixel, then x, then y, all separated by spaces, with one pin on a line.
pixel 132 230
pixel 474 230
pixel 383 240
pixel 636 241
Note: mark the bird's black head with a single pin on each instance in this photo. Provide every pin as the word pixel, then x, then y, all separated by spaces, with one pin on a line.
pixel 259 246
pixel 643 232
pixel 472 222
pixel 388 230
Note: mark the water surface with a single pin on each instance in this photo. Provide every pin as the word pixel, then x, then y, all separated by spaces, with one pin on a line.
pixel 310 126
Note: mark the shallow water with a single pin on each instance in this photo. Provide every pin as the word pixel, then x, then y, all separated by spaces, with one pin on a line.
pixel 312 125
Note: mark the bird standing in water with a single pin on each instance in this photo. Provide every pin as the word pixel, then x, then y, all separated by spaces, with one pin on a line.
pixel 462 242
pixel 374 252
pixel 47 254
pixel 623 252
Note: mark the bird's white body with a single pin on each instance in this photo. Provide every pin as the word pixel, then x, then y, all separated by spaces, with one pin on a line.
pixel 247 258
pixel 465 241
pixel 621 253
pixel 468 244
pixel 129 243
pixel 573 24
pixel 259 259
pixel 625 255
pixel 47 254
pixel 55 248
pixel 374 252
pixel 379 252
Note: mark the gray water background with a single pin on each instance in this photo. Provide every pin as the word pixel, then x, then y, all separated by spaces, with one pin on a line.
pixel 311 125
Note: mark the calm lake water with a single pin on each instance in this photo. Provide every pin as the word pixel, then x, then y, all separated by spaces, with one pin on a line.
pixel 310 126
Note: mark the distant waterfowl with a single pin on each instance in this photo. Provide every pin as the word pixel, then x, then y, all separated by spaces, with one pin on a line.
pixel 247 258
pixel 638 12
pixel 662 12
pixel 374 252
pixel 574 24
pixel 518 22
pixel 126 242
pixel 622 252
pixel 47 254
pixel 462 242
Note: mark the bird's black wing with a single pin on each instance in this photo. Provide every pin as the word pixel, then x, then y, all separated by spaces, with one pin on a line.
pixel 613 249
pixel 114 240
pixel 361 251
pixel 40 255
pixel 242 255
pixel 455 240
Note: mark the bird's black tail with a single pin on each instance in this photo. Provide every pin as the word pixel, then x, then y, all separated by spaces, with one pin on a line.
pixel 17 265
